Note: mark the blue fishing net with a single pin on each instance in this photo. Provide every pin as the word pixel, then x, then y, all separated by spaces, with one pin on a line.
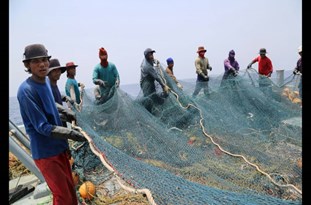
pixel 240 143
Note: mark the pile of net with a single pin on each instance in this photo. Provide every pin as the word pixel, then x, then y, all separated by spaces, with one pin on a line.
pixel 237 144
pixel 16 168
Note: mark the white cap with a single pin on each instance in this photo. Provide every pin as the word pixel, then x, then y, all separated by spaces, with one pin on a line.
pixel 299 49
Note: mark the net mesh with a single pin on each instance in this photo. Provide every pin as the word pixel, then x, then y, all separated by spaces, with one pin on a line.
pixel 240 143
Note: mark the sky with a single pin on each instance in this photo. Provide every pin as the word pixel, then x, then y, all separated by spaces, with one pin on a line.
pixel 74 30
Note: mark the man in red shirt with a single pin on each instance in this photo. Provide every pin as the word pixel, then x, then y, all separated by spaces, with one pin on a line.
pixel 265 69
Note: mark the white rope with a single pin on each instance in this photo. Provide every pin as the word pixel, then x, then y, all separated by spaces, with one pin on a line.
pixel 99 154
pixel 232 154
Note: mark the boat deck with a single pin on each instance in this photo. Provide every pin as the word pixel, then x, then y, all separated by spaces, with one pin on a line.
pixel 41 194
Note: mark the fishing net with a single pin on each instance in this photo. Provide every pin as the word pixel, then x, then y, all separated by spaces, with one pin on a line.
pixel 240 143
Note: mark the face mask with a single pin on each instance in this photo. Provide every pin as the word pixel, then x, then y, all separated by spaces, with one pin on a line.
pixel 201 54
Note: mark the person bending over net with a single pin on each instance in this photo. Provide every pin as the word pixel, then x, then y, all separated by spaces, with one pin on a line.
pixel 151 70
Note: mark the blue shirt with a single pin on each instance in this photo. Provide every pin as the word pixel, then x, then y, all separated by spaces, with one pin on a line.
pixel 56 93
pixel 57 96
pixel 39 114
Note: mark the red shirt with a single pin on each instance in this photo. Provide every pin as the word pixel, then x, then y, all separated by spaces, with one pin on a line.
pixel 264 65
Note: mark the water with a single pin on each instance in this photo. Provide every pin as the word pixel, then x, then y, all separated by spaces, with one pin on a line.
pixel 14 113
pixel 16 118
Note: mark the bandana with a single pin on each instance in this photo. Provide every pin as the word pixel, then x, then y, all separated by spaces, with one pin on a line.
pixel 102 51
pixel 201 54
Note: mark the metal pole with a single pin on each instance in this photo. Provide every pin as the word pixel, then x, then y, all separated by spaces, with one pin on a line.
pixel 25 158
pixel 19 134
pixel 280 77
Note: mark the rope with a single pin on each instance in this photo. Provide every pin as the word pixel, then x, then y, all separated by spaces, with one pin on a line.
pixel 292 75
pixel 81 99
pixel 249 75
pixel 227 152
pixel 105 162
pixel 232 154
pixel 279 86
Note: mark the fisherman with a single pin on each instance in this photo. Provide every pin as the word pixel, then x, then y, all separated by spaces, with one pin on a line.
pixel 72 86
pixel 48 138
pixel 106 77
pixel 54 73
pixel 265 70
pixel 231 67
pixel 151 72
pixel 170 72
pixel 201 65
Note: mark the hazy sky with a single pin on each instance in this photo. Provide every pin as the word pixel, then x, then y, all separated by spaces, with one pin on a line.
pixel 74 30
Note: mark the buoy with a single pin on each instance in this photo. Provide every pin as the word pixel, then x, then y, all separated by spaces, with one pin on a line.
pixel 87 190
pixel 286 90
pixel 297 100
pixel 296 93
pixel 75 178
